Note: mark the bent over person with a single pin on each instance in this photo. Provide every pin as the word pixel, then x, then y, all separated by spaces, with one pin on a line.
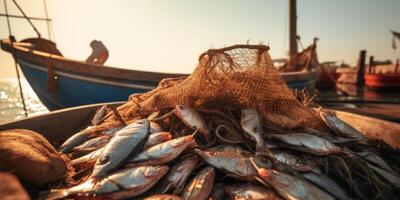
pixel 99 53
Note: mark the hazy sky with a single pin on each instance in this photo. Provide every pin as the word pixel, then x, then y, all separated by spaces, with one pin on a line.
pixel 168 35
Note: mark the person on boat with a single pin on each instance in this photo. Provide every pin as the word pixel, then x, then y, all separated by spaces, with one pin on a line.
pixel 99 53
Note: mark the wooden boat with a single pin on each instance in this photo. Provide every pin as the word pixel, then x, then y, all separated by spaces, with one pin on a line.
pixel 382 81
pixel 60 82
pixel 52 125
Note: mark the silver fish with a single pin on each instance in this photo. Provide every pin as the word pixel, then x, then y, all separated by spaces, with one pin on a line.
pixel 339 126
pixel 126 183
pixel 157 138
pixel 308 143
pixel 177 175
pixel 121 146
pixel 251 192
pixel 391 178
pixel 192 119
pixel 237 165
pixel 291 160
pixel 162 153
pixel 252 126
pixel 229 148
pixel 111 131
pixel 291 187
pixel 327 184
pixel 99 116
pixel 373 158
pixel 134 181
pixel 93 144
pixel 153 139
pixel 200 186
pixel 92 156
pixel 76 140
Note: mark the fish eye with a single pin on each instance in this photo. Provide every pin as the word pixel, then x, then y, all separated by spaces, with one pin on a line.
pixel 104 159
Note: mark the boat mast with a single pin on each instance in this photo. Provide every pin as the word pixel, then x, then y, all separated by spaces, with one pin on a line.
pixel 292 28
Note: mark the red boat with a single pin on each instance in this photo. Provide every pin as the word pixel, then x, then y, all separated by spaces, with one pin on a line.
pixel 382 81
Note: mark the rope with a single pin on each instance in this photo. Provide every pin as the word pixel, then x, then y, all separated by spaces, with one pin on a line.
pixel 47 17
pixel 27 18
pixel 12 39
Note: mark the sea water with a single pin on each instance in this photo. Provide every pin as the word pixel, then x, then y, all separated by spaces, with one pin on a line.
pixel 11 107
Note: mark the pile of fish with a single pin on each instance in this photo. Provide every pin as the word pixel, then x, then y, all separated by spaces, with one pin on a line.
pixel 185 153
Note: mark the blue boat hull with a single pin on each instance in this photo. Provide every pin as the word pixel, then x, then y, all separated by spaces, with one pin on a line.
pixel 74 90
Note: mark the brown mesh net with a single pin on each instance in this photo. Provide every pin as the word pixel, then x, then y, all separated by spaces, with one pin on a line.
pixel 239 76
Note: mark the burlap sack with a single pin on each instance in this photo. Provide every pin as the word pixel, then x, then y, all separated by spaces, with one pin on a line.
pixel 30 156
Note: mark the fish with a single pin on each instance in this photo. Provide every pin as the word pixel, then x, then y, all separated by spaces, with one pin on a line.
pixel 340 127
pixel 153 139
pixel 91 157
pixel 200 186
pixel 271 144
pixel 237 165
pixel 192 119
pixel 291 160
pixel 163 152
pixel 93 144
pixel 250 192
pixel 328 136
pixel 373 158
pixel 157 138
pixel 124 143
pixel 99 116
pixel 111 131
pixel 252 126
pixel 178 175
pixel 75 140
pixel 327 184
pixel 308 143
pixel 125 183
pixel 391 178
pixel 163 197
pixel 229 148
pixel 290 187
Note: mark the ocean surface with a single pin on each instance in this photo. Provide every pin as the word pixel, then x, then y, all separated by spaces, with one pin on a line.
pixel 11 107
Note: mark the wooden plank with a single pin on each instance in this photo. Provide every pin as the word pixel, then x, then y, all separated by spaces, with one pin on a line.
pixel 58 125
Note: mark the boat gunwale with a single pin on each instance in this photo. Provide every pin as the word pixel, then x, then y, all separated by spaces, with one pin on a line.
pixel 80 67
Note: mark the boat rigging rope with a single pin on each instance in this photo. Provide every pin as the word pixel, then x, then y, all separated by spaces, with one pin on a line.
pixel 27 18
pixel 12 39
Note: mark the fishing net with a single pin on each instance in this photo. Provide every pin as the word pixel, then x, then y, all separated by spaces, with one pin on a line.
pixel 239 76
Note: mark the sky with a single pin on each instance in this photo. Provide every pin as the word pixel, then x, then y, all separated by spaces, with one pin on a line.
pixel 169 35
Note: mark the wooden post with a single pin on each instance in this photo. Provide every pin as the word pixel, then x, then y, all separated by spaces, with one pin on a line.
pixel 292 28
pixel 361 68
pixel 371 64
